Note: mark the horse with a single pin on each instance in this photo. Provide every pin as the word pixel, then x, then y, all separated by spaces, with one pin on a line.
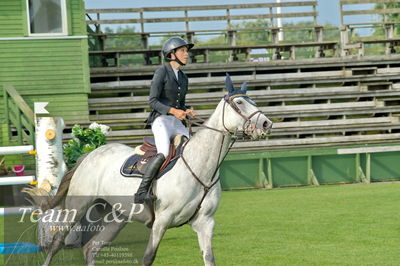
pixel 188 193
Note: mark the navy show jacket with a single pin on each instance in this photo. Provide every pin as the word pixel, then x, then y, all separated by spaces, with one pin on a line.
pixel 166 92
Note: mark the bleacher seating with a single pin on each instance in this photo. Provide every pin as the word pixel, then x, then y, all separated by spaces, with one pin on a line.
pixel 309 104
pixel 350 40
pixel 319 101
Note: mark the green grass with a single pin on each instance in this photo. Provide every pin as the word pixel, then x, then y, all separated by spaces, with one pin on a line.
pixel 327 225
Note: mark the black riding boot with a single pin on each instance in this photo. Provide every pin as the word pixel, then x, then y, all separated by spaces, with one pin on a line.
pixel 151 171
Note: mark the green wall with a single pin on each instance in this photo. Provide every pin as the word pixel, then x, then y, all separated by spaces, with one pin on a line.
pixel 77 17
pixel 53 70
pixel 313 166
pixel 12 18
pixel 49 70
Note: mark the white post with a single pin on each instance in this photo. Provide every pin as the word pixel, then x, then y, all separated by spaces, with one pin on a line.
pixel 50 165
pixel 279 20
pixel 50 169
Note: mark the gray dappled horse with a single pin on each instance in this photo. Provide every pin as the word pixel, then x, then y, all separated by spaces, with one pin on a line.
pixel 188 193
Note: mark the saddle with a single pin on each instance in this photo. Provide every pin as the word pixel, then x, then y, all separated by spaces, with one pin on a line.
pixel 136 164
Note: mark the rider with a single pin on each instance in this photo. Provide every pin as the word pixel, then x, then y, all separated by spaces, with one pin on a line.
pixel 167 99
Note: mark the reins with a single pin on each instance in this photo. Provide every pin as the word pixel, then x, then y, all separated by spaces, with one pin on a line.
pixel 207 188
pixel 190 122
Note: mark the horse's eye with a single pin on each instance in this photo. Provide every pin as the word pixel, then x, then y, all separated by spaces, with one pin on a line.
pixel 239 102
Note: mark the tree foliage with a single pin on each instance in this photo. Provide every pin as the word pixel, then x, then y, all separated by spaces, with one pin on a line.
pixel 395 17
pixel 123 41
pixel 249 32
pixel 253 33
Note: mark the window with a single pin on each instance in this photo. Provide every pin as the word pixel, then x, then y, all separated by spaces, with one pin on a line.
pixel 47 17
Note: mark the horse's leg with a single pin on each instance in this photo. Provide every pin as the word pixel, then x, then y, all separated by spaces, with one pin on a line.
pixel 58 240
pixel 203 225
pixel 56 244
pixel 100 240
pixel 157 233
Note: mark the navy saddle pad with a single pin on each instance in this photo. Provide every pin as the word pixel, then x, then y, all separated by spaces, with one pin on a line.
pixel 131 166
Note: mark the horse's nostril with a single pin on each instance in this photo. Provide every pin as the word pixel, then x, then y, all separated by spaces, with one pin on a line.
pixel 266 124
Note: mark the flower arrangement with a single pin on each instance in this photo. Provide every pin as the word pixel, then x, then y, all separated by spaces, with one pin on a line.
pixel 84 141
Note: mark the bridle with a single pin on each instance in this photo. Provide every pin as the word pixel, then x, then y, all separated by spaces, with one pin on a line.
pixel 228 100
pixel 247 119
pixel 247 123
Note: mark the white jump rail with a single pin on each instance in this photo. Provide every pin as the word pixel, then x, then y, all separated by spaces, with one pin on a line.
pixel 16 149
pixel 16 210
pixel 16 180
pixel 48 157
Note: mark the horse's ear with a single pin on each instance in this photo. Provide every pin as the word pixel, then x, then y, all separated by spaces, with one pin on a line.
pixel 228 83
pixel 244 87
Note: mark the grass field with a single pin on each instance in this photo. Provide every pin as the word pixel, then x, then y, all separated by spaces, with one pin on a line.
pixel 327 225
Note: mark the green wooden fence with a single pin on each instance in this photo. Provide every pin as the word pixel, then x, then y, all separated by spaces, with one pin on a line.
pixel 19 117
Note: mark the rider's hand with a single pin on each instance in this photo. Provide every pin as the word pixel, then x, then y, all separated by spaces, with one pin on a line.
pixel 180 114
pixel 191 113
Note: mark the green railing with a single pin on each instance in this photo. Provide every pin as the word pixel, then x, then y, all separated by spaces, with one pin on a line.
pixel 95 44
pixel 19 117
pixel 375 162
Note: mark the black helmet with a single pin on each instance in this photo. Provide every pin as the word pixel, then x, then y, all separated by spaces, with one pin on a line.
pixel 173 43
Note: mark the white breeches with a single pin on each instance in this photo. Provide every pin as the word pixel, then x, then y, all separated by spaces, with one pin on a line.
pixel 166 127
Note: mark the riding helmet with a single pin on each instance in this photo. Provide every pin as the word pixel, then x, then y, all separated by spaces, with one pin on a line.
pixel 173 43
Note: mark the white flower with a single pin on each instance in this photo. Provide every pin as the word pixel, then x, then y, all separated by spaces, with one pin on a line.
pixel 103 128
pixel 94 125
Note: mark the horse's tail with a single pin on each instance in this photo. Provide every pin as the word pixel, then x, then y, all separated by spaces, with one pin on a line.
pixel 42 199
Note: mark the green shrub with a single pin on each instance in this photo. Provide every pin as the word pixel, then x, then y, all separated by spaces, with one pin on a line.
pixel 84 141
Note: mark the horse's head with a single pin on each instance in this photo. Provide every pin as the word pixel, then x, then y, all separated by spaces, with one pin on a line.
pixel 242 114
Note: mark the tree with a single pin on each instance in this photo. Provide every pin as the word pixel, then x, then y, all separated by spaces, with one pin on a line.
pixel 304 31
pixel 395 17
pixel 126 40
pixel 255 34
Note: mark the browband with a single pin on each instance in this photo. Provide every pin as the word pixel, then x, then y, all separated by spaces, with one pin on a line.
pixel 238 95
pixel 246 97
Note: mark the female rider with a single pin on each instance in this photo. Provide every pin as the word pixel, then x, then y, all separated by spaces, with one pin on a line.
pixel 167 99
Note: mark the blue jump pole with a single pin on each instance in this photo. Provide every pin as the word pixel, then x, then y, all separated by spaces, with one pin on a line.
pixel 18 248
